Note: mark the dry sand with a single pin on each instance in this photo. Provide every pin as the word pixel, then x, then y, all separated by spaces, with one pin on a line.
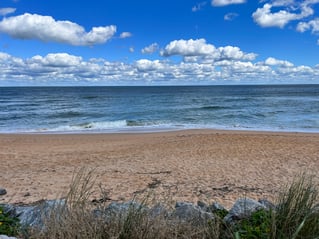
pixel 187 165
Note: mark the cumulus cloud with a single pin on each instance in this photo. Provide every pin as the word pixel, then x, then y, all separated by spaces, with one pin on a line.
pixel 312 25
pixel 150 49
pixel 147 65
pixel 125 35
pixel 275 62
pixel 266 18
pixel 227 63
pixel 220 3
pixel 234 53
pixel 188 48
pixel 194 50
pixel 56 60
pixel 6 11
pixel 47 29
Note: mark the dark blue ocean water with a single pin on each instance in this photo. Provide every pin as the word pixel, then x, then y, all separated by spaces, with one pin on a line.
pixel 118 109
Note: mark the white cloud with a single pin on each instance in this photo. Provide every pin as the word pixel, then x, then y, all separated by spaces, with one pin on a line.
pixel 4 56
pixel 195 50
pixel 312 25
pixel 277 3
pixel 199 6
pixel 47 29
pixel 147 65
pixel 131 49
pixel 56 60
pixel 6 11
pixel 150 49
pixel 275 62
pixel 188 48
pixel 230 16
pixel 218 3
pixel 265 18
pixel 234 53
pixel 230 64
pixel 125 35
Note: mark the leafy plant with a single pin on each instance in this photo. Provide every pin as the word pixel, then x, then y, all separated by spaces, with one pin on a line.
pixel 8 225
pixel 257 226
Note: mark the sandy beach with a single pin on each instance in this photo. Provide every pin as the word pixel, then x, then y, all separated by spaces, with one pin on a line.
pixel 187 165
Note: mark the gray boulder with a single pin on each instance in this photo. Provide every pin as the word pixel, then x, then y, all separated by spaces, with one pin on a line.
pixel 33 216
pixel 269 205
pixel 216 207
pixel 116 208
pixel 203 206
pixel 6 237
pixel 243 208
pixel 157 211
pixel 188 212
pixel 120 210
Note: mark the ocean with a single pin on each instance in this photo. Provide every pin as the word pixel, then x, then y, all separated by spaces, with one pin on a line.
pixel 291 108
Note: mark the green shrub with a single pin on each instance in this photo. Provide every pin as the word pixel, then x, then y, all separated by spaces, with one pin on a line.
pixel 8 225
pixel 257 226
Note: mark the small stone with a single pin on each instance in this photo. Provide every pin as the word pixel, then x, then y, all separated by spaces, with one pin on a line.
pixel 3 191
pixel 27 194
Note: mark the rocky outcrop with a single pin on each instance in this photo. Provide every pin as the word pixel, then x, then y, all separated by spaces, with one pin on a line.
pixel 34 215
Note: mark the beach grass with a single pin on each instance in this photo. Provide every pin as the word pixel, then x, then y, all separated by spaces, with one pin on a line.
pixel 296 216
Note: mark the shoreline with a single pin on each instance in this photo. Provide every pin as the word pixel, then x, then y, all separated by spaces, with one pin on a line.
pixel 191 165
pixel 159 130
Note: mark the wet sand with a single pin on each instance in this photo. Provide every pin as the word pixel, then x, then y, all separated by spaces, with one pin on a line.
pixel 189 165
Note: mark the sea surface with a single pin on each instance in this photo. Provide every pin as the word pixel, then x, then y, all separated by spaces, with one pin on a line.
pixel 292 108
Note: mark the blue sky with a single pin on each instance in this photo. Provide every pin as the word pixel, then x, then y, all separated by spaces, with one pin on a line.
pixel 165 42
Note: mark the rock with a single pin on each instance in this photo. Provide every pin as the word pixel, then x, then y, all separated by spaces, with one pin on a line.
pixel 203 206
pixel 268 205
pixel 3 191
pixel 8 209
pixel 27 194
pixel 123 208
pixel 6 237
pixel 243 208
pixel 33 215
pixel 158 210
pixel 120 210
pixel 217 207
pixel 191 213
